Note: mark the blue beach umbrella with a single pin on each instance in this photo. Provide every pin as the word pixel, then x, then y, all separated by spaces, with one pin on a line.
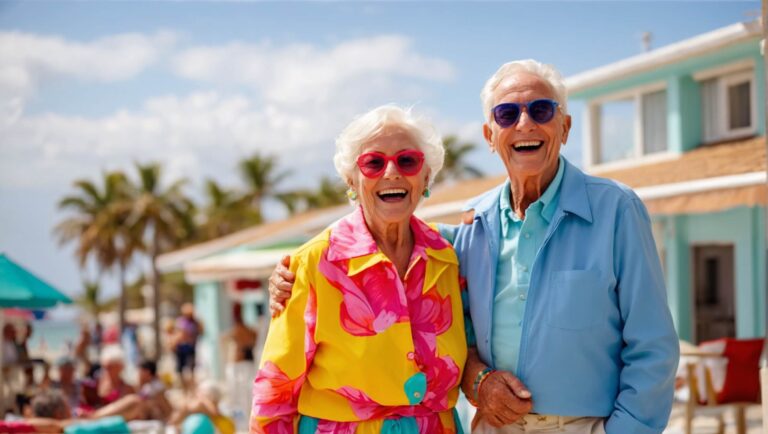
pixel 20 288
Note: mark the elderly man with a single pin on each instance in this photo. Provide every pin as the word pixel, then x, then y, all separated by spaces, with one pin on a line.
pixel 571 328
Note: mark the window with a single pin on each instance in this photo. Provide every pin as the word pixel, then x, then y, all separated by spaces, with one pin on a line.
pixel 739 106
pixel 654 122
pixel 617 119
pixel 728 106
pixel 630 126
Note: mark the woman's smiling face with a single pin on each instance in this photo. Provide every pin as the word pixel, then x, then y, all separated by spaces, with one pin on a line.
pixel 391 197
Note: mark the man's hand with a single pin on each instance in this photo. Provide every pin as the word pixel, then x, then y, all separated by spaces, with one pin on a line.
pixel 280 286
pixel 503 399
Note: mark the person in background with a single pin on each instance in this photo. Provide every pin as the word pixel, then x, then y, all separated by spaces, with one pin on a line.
pixel 84 341
pixel 22 349
pixel 52 405
pixel 149 384
pixel 110 336
pixel 111 386
pixel 43 414
pixel 242 367
pixel 243 337
pixel 205 401
pixel 152 389
pixel 97 337
pixel 27 361
pixel 188 330
pixel 66 384
pixel 10 352
pixel 51 414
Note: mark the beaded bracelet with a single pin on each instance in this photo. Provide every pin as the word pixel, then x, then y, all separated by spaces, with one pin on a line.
pixel 479 379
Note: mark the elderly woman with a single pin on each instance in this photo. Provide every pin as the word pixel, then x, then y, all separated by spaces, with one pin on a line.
pixel 111 385
pixel 566 294
pixel 372 340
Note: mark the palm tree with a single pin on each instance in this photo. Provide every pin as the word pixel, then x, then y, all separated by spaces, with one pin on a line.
pixel 261 176
pixel 330 192
pixel 455 165
pixel 224 212
pixel 293 201
pixel 164 217
pixel 99 226
pixel 90 298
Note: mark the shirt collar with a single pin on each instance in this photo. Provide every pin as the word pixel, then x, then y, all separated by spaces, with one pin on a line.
pixel 544 205
pixel 550 196
pixel 350 238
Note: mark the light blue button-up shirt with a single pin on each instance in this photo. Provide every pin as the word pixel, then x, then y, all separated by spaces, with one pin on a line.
pixel 518 243
pixel 597 337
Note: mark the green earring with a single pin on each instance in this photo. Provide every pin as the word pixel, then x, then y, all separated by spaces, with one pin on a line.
pixel 351 195
pixel 426 192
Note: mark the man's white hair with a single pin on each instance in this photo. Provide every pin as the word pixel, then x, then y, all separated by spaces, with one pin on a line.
pixel 548 73
pixel 365 127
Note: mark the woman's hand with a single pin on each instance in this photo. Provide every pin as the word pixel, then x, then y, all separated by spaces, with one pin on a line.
pixel 280 286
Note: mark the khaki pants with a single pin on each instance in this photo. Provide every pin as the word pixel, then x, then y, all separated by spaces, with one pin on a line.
pixel 539 423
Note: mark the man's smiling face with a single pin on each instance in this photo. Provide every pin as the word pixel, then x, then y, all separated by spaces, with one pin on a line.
pixel 526 147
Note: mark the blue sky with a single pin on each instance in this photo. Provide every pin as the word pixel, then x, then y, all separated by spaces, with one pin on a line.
pixel 87 87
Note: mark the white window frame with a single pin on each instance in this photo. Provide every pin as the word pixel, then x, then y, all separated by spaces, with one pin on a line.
pixel 592 130
pixel 724 83
pixel 734 73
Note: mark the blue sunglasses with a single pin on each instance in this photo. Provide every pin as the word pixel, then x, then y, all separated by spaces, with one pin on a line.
pixel 540 110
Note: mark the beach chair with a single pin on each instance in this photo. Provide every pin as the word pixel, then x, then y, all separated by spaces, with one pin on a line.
pixel 724 376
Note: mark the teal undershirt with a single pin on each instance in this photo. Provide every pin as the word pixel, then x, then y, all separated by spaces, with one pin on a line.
pixel 519 243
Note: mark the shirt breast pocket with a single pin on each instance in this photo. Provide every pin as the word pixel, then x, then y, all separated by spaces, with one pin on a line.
pixel 577 299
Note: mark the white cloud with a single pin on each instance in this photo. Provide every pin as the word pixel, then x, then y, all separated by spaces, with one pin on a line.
pixel 28 60
pixel 201 134
pixel 288 100
pixel 301 73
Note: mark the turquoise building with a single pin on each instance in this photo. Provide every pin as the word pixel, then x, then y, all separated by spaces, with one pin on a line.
pixel 684 125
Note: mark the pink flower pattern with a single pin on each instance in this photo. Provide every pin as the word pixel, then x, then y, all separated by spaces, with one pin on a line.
pixel 366 310
pixel 332 427
pixel 281 425
pixel 310 320
pixel 276 395
pixel 273 392
pixel 363 406
pixel 431 316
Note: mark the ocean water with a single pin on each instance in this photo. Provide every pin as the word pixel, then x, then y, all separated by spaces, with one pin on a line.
pixel 53 338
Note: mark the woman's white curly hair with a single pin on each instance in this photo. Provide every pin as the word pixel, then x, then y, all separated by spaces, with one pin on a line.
pixel 367 126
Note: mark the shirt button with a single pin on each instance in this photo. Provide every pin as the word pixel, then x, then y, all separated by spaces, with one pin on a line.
pixel 524 268
pixel 416 395
pixel 522 296
pixel 411 356
pixel 527 235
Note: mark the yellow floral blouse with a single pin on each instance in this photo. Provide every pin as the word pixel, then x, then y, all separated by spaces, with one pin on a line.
pixel 358 350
